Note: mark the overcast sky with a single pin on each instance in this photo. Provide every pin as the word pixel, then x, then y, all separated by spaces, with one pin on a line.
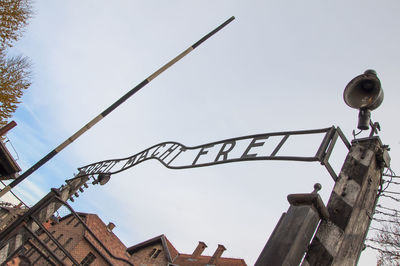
pixel 280 65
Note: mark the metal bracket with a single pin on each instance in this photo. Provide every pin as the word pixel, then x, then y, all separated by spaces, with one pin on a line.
pixel 327 146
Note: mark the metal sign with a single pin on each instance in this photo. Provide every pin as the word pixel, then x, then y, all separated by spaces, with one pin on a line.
pixel 265 146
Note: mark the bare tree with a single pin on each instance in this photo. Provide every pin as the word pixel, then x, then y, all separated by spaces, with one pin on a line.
pixel 388 238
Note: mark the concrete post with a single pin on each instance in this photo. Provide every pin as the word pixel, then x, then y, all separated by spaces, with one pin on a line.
pixel 292 235
pixel 340 239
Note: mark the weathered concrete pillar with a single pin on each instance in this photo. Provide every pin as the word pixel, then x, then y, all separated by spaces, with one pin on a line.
pixel 339 240
pixel 292 235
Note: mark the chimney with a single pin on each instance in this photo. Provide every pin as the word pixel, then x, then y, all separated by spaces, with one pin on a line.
pixel 199 249
pixel 110 226
pixel 217 254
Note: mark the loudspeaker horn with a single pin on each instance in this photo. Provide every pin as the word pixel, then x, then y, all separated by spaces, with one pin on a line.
pixel 365 93
pixel 103 178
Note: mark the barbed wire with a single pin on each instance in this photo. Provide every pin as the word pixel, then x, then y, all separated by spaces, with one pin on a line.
pixel 392 192
pixel 384 231
pixel 387 214
pixel 390 173
pixel 393 254
pixel 386 234
pixel 386 208
pixel 393 182
pixel 377 241
pixel 393 176
pixel 390 197
pixel 384 220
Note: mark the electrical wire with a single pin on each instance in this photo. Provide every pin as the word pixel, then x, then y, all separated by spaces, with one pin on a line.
pixel 9 141
pixel 20 200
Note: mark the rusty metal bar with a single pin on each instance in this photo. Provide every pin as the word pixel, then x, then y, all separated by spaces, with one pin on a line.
pixel 90 231
pixel 43 244
pixel 13 254
pixel 343 137
pixel 20 200
pixel 55 240
pixel 41 254
pixel 324 145
pixel 98 251
pixel 327 155
pixel 331 171
pixel 330 147
pixel 20 220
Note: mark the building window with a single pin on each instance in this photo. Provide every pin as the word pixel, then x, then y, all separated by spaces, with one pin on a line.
pixel 47 239
pixel 88 259
pixel 67 242
pixel 70 220
pixel 154 253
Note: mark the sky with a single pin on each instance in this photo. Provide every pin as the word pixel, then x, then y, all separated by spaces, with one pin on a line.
pixel 279 66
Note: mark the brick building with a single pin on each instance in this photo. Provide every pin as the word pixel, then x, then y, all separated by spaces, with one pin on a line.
pixel 159 251
pixel 84 239
pixel 74 234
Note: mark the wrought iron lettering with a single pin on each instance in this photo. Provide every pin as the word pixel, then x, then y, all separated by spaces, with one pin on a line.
pixel 202 152
pixel 253 144
pixel 224 153
pixel 177 156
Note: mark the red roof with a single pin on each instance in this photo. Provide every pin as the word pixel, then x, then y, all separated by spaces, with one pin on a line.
pixel 184 259
pixel 109 239
pixel 106 237
pixel 169 249
pixel 118 249
pixel 187 260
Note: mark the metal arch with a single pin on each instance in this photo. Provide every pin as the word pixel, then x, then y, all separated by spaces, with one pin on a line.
pixel 167 152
